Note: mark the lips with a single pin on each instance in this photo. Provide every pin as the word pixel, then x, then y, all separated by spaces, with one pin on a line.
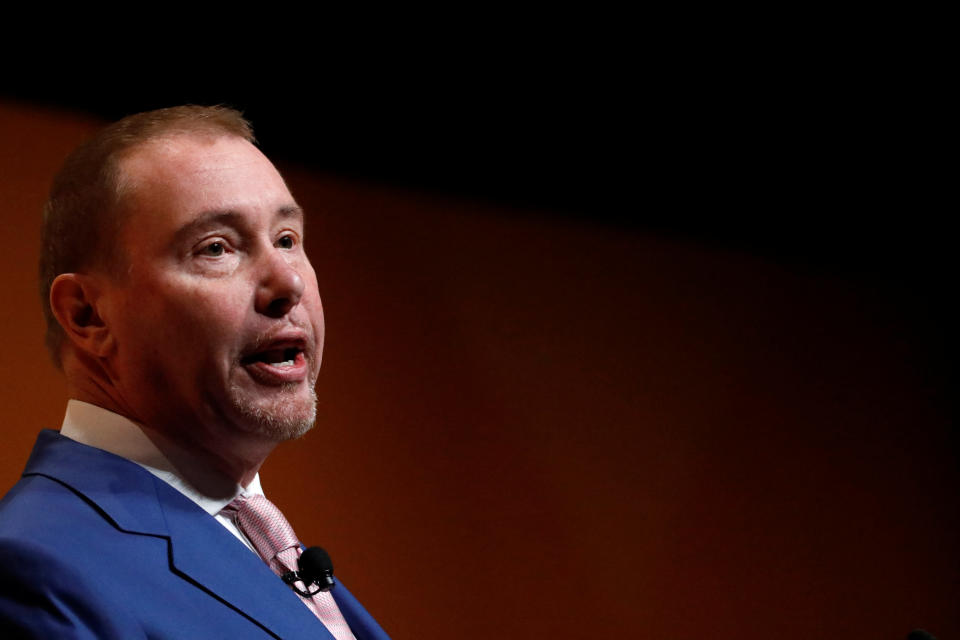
pixel 278 359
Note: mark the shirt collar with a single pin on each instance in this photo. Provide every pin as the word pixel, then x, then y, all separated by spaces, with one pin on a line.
pixel 97 427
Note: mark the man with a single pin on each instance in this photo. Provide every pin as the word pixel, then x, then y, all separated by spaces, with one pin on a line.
pixel 185 315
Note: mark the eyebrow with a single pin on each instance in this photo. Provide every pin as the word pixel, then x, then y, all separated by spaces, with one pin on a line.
pixel 229 218
pixel 291 212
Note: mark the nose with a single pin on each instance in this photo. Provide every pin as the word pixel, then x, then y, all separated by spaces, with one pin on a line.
pixel 280 286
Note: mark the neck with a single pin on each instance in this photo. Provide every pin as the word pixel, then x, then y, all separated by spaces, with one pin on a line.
pixel 215 472
pixel 214 457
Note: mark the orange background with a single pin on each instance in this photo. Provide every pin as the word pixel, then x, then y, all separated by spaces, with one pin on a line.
pixel 532 428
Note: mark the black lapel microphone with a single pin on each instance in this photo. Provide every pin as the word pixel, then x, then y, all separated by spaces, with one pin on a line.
pixel 315 569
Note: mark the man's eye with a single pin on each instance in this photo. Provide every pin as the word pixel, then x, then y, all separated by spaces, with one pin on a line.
pixel 286 242
pixel 214 249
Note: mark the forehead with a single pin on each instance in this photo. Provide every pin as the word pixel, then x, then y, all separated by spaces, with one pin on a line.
pixel 173 179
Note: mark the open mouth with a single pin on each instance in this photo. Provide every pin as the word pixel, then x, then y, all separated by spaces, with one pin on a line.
pixel 281 358
pixel 278 359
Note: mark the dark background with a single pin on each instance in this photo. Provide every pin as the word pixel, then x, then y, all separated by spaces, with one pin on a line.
pixel 821 152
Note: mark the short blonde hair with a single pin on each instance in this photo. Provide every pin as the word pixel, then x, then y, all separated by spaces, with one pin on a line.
pixel 81 218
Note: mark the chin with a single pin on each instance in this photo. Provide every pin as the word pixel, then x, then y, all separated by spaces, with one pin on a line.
pixel 287 416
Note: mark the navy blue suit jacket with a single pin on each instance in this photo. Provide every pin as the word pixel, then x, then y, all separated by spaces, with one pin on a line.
pixel 94 546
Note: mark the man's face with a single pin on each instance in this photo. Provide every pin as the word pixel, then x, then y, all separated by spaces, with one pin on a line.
pixel 217 320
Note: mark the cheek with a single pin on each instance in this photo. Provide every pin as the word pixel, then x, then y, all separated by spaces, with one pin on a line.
pixel 189 321
pixel 215 324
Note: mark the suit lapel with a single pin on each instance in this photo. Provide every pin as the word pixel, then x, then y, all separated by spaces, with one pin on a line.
pixel 123 491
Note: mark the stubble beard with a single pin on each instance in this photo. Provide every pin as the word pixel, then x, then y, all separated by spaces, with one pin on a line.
pixel 287 416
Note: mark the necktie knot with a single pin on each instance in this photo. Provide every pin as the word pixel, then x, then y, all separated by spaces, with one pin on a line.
pixel 263 524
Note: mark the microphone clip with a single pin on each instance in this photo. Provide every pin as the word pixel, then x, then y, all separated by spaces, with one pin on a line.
pixel 314 569
pixel 292 577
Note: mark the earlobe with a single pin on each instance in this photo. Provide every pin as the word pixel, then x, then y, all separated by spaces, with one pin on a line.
pixel 74 300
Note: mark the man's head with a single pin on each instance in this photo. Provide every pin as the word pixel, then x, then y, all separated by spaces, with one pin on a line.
pixel 188 300
pixel 82 215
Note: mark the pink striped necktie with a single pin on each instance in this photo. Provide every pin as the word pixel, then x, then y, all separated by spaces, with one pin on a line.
pixel 274 539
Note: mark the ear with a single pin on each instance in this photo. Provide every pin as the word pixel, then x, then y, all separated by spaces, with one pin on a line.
pixel 74 299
